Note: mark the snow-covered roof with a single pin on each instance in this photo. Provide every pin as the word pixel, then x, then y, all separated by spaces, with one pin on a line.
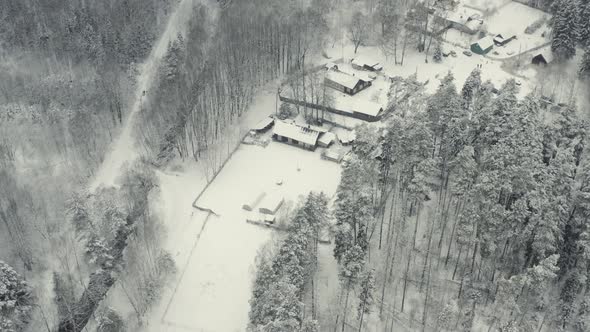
pixel 362 61
pixel 345 136
pixel 545 53
pixel 365 76
pixel 327 138
pixel 318 129
pixel 485 42
pixel 264 123
pixel 299 133
pixel 359 105
pixel 460 15
pixel 473 25
pixel 333 155
pixel 343 79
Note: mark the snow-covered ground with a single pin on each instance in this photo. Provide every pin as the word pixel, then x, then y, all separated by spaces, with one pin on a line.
pixel 514 18
pixel 216 255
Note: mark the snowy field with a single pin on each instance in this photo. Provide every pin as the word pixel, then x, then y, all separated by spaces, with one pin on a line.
pixel 514 18
pixel 216 256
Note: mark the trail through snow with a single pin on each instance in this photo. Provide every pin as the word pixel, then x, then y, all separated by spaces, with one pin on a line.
pixel 123 149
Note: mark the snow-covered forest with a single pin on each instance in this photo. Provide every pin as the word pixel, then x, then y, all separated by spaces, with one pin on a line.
pixel 294 165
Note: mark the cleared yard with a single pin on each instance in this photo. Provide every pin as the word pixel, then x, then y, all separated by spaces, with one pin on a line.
pixel 216 257
pixel 514 18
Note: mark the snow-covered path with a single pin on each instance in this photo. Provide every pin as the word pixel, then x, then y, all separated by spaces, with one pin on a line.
pixel 123 149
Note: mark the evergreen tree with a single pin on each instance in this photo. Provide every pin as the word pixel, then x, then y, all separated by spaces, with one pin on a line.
pixel 471 87
pixel 16 300
pixel 366 296
pixel 585 65
pixel 563 44
pixel 584 23
pixel 437 55
pixel 108 320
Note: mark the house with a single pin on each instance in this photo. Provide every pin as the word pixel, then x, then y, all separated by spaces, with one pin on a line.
pixel 503 39
pixel 463 19
pixel 294 134
pixel 544 58
pixel 345 82
pixel 263 125
pixel 326 139
pixel 365 64
pixel 483 46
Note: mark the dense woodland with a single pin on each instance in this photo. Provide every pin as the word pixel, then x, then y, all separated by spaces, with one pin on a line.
pixel 468 209
pixel 68 70
pixel 473 212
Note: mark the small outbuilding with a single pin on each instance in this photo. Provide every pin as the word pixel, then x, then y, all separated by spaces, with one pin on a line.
pixel 294 134
pixel 503 39
pixel 345 136
pixel 331 155
pixel 326 139
pixel 263 125
pixel 542 58
pixel 483 46
pixel 365 64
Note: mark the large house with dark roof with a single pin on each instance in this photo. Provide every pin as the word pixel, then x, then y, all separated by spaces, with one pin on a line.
pixel 345 83
pixel 291 133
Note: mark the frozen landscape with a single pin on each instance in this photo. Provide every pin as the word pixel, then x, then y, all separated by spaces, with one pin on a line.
pixel 278 166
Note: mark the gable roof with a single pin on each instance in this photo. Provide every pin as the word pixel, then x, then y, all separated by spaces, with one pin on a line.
pixel 327 138
pixel 485 42
pixel 293 131
pixel 264 123
pixel 360 61
pixel 545 53
pixel 343 79
pixel 363 76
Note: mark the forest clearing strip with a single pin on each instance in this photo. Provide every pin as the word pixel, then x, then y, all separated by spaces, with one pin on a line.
pixel 184 268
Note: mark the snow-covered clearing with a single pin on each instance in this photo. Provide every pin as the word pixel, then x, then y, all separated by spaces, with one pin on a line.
pixel 514 18
pixel 123 149
pixel 216 255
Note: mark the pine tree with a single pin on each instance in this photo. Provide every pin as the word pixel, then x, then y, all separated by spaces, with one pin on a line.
pixel 471 87
pixel 16 300
pixel 437 55
pixel 585 64
pixel 583 28
pixel 563 44
pixel 109 320
pixel 366 296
